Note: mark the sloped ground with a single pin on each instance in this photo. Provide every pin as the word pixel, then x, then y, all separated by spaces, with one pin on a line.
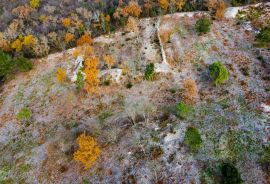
pixel 141 138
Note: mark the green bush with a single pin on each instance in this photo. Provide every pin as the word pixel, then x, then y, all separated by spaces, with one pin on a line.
pixel 263 38
pixel 9 66
pixel 266 155
pixel 183 110
pixel 193 139
pixel 80 81
pixel 6 64
pixel 150 72
pixel 230 174
pixel 25 114
pixel 203 25
pixel 237 2
pixel 23 64
pixel 218 72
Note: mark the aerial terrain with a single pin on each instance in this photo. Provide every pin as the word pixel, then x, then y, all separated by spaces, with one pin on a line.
pixel 134 92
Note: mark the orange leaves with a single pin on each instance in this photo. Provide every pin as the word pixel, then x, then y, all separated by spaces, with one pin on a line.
pixel 164 4
pixel 66 22
pixel 85 40
pixel 91 74
pixel 132 9
pixel 69 37
pixel 220 10
pixel 88 151
pixel 61 75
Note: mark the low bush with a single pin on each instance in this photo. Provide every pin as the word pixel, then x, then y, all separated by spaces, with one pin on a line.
pixel 203 25
pixel 150 72
pixel 193 139
pixel 263 38
pixel 218 72
pixel 80 81
pixel 230 174
pixel 25 114
pixel 23 64
pixel 266 155
pixel 183 110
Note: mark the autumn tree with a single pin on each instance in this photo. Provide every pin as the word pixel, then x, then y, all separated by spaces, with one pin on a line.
pixel 164 4
pixel 61 75
pixel 88 152
pixel 109 60
pixel 85 40
pixel 91 74
pixel 220 10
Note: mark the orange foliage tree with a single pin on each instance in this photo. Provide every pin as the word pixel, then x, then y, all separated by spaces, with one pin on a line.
pixel 88 152
pixel 91 74
pixel 164 4
pixel 132 9
pixel 85 40
pixel 220 10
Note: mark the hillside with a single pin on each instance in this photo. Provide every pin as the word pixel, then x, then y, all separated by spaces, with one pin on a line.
pixel 138 123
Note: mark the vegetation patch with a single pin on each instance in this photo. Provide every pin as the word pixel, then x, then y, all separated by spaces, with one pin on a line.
pixel 150 72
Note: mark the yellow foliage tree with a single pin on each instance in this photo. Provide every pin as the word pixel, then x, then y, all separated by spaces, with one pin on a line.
pixel 91 74
pixel 85 40
pixel 61 75
pixel 109 60
pixel 34 3
pixel 29 40
pixel 88 152
pixel 17 45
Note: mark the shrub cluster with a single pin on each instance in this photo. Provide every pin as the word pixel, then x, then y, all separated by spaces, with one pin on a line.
pixel 230 174
pixel 9 66
pixel 203 25
pixel 149 73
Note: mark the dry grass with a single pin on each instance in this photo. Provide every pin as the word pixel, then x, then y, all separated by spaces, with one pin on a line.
pixel 190 92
